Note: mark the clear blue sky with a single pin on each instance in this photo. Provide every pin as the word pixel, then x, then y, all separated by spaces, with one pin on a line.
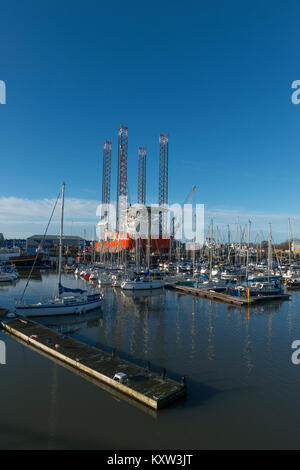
pixel 216 76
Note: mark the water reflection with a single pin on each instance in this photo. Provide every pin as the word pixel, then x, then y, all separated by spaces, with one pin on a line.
pixel 36 274
pixel 236 360
pixel 269 337
pixel 178 310
pixel 193 330
pixel 211 347
pixel 153 325
pixel 52 411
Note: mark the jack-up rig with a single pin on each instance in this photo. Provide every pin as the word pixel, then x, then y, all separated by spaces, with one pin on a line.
pixel 123 239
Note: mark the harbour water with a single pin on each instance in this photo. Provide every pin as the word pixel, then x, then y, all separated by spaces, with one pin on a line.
pixel 242 386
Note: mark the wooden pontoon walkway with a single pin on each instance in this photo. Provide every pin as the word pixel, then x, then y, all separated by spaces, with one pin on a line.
pixel 149 388
pixel 223 297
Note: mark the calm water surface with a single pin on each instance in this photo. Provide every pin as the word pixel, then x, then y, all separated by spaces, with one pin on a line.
pixel 243 390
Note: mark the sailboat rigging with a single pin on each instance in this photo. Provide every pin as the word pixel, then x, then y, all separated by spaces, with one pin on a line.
pixel 61 304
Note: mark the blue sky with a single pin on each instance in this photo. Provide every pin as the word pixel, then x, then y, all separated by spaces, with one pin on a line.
pixel 216 76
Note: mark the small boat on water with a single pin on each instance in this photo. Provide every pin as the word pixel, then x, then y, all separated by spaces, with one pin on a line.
pixel 143 282
pixel 231 273
pixel 266 288
pixel 105 280
pixel 6 277
pixel 93 276
pixel 7 253
pixel 117 280
pixel 69 269
pixel 20 258
pixel 8 274
pixel 262 278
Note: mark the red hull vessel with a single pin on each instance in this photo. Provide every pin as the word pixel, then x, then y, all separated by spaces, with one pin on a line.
pixel 25 260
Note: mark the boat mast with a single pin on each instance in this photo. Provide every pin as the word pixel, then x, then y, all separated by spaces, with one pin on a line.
pixel 289 236
pixel 228 247
pixel 269 252
pixel 236 254
pixel 171 238
pixel 93 257
pixel 137 253
pixel 248 247
pixel 260 249
pixel 293 239
pixel 84 237
pixel 149 237
pixel 61 233
pixel 211 248
pixel 194 247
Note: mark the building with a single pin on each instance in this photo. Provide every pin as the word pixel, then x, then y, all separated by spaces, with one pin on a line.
pixel 51 241
pixel 295 247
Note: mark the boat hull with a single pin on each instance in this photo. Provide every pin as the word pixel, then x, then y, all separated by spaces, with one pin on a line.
pixel 8 278
pixel 26 261
pixel 60 309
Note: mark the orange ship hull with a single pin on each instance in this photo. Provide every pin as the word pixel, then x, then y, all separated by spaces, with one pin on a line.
pixel 125 242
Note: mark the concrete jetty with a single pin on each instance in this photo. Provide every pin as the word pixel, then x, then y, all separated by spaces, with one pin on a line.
pixel 149 388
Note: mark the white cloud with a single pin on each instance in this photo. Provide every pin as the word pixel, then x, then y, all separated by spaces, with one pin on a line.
pixel 16 209
pixel 23 217
pixel 259 222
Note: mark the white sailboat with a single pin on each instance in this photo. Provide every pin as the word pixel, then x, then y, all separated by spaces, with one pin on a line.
pixel 62 304
pixel 142 282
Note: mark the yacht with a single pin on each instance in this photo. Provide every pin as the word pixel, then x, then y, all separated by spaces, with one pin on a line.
pixel 8 274
pixel 263 288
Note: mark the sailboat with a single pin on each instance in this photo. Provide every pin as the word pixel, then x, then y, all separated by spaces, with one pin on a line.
pixel 143 281
pixel 62 304
pixel 8 273
pixel 256 287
